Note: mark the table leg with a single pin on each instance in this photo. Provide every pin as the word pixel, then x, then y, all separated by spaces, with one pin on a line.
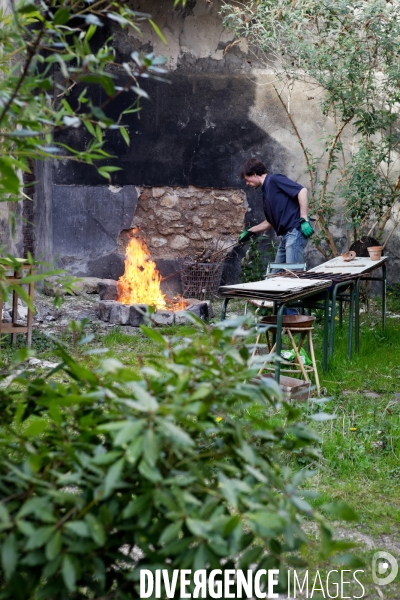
pixel 326 333
pixel 30 314
pixel 383 295
pixel 314 364
pixel 350 344
pixel 278 343
pixel 14 311
pixel 357 315
pixel 338 286
pixel 223 308
pixel 333 314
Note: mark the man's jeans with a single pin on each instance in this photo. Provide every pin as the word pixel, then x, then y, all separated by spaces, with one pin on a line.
pixel 291 250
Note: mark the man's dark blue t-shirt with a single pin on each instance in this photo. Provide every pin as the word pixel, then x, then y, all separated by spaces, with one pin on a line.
pixel 281 205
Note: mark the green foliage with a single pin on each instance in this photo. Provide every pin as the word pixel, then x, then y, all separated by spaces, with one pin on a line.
pixel 365 189
pixel 46 51
pixel 393 297
pixel 254 263
pixel 9 265
pixel 103 472
pixel 394 289
pixel 350 52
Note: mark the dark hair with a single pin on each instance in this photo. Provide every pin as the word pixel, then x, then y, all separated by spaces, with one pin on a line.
pixel 252 166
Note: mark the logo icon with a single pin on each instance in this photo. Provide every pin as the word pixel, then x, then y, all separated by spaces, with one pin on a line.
pixel 384 568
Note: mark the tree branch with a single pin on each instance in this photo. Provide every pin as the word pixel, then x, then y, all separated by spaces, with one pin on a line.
pixel 31 49
pixel 300 140
pixel 330 156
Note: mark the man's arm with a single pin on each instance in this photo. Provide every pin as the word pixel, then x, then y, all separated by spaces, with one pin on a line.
pixel 303 203
pixel 305 226
pixel 263 226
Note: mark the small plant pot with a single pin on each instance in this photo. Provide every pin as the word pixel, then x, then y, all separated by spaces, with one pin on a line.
pixel 375 252
pixel 350 255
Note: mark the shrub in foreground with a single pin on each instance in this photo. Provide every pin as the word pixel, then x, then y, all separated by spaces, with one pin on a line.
pixel 103 473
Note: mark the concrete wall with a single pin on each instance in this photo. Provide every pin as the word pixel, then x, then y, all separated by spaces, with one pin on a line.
pixel 43 212
pixel 87 222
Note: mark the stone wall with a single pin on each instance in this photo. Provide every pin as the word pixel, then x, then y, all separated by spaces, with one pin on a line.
pixel 179 222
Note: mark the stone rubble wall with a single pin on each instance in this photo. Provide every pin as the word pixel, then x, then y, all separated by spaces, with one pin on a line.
pixel 177 222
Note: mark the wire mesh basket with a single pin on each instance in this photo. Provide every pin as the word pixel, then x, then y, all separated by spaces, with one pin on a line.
pixel 201 280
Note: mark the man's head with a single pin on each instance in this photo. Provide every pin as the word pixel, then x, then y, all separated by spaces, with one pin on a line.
pixel 254 172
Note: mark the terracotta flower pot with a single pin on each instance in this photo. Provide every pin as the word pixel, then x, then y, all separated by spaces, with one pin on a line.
pixel 348 256
pixel 375 252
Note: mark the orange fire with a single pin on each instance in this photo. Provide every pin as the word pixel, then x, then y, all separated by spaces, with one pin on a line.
pixel 140 284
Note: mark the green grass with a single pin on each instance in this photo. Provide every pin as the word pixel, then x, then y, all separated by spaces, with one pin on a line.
pixel 361 446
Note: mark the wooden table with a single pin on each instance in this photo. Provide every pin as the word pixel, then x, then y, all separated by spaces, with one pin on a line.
pixel 15 270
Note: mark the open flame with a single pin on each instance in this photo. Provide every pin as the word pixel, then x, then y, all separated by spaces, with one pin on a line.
pixel 140 284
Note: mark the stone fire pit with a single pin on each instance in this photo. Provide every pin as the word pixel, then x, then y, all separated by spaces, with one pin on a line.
pixel 112 311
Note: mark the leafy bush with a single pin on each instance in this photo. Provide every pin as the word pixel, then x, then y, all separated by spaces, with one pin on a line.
pixel 103 474
pixel 59 47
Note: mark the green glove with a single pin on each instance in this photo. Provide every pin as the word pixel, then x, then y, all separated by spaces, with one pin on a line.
pixel 245 236
pixel 306 228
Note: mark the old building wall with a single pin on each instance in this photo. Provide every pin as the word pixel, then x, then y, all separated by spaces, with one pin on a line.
pixel 194 133
pixel 218 109
pixel 86 224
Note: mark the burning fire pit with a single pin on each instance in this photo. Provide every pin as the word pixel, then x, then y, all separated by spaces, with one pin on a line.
pixel 127 301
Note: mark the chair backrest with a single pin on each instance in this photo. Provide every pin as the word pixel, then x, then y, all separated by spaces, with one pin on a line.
pixel 286 267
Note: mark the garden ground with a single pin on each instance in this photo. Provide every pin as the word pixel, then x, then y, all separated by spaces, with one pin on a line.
pixel 360 447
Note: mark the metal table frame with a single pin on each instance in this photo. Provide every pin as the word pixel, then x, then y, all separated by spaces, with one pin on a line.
pixel 357 300
pixel 328 305
pixel 354 299
pixel 278 326
pixel 332 312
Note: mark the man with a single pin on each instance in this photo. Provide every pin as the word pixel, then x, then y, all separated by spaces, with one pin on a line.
pixel 285 207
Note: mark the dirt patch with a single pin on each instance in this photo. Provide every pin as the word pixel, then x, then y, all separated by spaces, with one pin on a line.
pixel 72 308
